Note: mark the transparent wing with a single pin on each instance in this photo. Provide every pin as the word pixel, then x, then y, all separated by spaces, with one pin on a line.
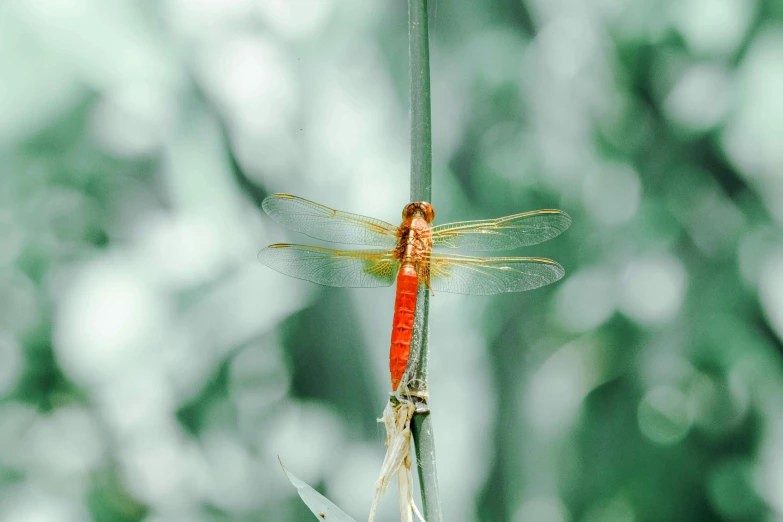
pixel 504 233
pixel 328 267
pixel 487 276
pixel 328 224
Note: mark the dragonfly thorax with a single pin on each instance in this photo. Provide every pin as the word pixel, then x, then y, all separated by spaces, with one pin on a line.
pixel 414 240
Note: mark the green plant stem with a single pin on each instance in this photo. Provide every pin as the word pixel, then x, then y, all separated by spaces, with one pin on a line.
pixel 421 190
pixel 421 118
pixel 424 443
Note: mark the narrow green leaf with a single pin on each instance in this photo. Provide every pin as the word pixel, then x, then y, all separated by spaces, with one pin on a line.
pixel 322 507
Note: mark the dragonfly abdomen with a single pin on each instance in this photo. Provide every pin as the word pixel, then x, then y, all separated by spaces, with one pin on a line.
pixel 402 325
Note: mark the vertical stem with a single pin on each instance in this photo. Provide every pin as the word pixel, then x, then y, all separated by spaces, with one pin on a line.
pixel 424 443
pixel 421 190
pixel 421 119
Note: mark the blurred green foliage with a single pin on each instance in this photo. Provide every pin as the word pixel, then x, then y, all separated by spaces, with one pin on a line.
pixel 152 370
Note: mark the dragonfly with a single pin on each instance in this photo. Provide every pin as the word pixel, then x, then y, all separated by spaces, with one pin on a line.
pixel 405 254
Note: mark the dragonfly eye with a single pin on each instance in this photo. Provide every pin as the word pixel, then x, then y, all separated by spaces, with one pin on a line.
pixel 422 208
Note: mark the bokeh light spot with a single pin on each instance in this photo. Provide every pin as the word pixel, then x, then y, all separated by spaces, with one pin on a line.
pixel 556 390
pixel 567 43
pixel 29 502
pixel 612 193
pixel 182 250
pixel 586 299
pixel 752 135
pixel 701 97
pixel 542 509
pixel 663 415
pixel 713 26
pixel 258 378
pixel 134 119
pixel 251 78
pixel 771 291
pixel 653 289
pixel 312 435
pixel 106 321
pixel 18 421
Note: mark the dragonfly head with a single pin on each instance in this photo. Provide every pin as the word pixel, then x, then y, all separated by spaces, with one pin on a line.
pixel 421 208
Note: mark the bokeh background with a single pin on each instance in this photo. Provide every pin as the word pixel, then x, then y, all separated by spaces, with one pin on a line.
pixel 152 370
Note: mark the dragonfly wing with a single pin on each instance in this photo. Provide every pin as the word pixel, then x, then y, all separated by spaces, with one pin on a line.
pixel 328 267
pixel 504 233
pixel 487 276
pixel 328 224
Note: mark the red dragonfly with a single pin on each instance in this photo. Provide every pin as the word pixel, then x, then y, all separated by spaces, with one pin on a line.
pixel 407 256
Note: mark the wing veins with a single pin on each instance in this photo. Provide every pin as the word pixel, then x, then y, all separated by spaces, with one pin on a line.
pixel 527 228
pixel 331 267
pixel 324 223
pixel 487 276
